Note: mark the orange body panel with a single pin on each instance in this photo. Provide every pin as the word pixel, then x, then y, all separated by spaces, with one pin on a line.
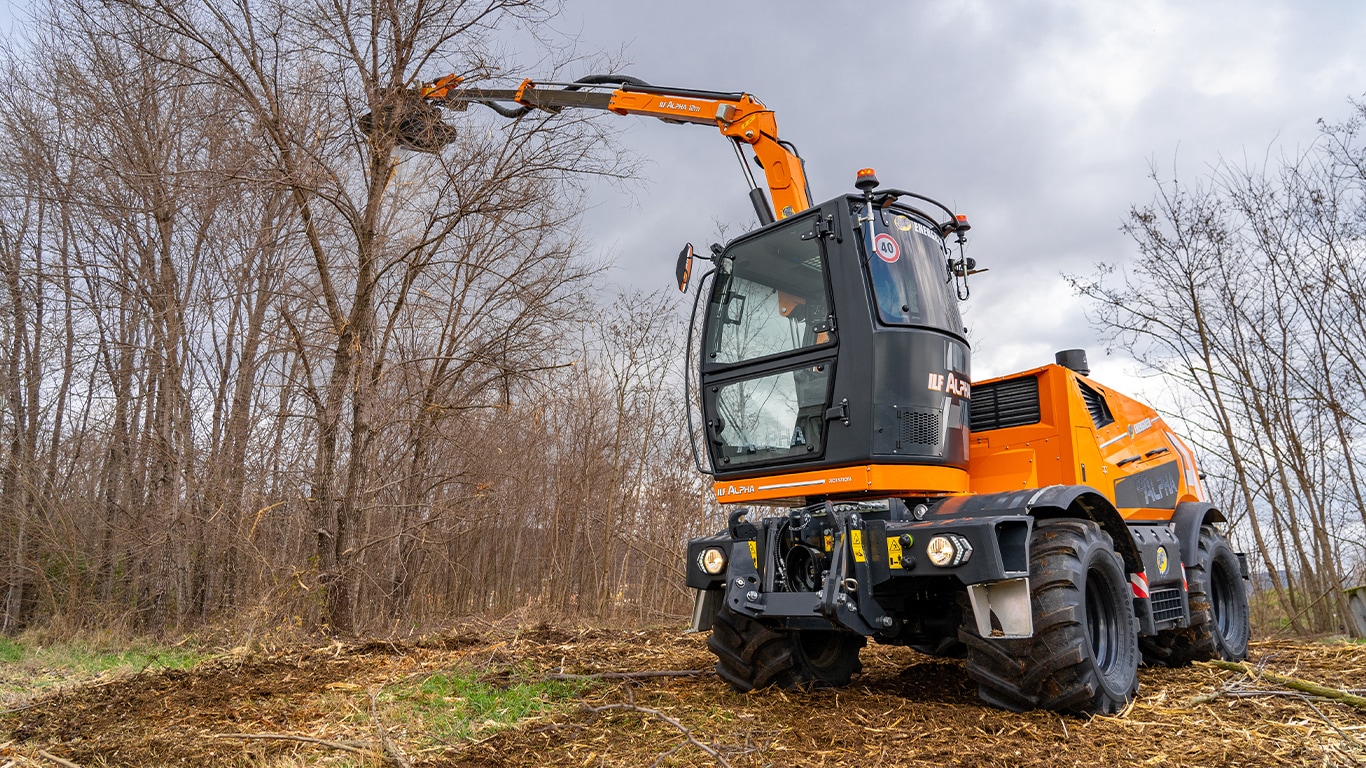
pixel 1065 447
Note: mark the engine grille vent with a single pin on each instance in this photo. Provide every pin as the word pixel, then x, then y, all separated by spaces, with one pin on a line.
pixel 1096 406
pixel 1009 403
pixel 919 427
pixel 1166 604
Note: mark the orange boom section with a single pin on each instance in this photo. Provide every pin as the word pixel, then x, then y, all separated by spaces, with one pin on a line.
pixel 739 116
pixel 1053 426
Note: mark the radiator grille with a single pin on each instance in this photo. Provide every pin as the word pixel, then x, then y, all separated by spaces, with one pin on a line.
pixel 1009 403
pixel 1166 604
pixel 920 427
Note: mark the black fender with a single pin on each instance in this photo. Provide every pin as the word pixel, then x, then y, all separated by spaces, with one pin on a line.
pixel 1055 501
pixel 1187 520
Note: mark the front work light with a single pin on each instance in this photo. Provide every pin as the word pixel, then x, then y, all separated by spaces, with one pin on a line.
pixel 948 550
pixel 713 560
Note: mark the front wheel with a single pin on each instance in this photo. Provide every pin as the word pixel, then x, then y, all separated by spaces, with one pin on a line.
pixel 1083 657
pixel 1220 625
pixel 752 655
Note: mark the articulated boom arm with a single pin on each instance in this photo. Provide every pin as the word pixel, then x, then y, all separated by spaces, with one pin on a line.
pixel 739 116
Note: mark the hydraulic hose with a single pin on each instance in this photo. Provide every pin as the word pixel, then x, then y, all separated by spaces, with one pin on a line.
pixel 518 111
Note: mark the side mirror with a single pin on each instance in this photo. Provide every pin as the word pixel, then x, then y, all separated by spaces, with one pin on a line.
pixel 683 270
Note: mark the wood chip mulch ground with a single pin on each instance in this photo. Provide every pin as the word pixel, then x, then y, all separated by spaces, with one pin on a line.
pixel 315 706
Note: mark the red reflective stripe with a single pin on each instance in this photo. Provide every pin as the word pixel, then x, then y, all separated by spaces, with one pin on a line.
pixel 1139 582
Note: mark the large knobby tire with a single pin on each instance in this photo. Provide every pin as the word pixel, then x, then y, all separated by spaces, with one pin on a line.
pixel 1083 657
pixel 1220 619
pixel 750 655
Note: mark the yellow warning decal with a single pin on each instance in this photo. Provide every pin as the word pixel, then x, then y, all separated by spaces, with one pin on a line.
pixel 894 551
pixel 754 552
pixel 857 537
pixel 829 542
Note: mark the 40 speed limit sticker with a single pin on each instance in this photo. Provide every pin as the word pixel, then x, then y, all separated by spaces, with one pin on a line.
pixel 886 247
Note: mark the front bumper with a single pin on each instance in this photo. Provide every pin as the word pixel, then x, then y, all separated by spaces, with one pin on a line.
pixel 871 565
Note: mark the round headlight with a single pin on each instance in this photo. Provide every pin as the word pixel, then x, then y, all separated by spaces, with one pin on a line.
pixel 941 550
pixel 713 560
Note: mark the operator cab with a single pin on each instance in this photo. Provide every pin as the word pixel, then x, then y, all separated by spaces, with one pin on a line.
pixel 833 338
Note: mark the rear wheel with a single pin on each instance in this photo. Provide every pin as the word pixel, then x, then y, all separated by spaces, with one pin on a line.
pixel 750 655
pixel 1220 619
pixel 1084 654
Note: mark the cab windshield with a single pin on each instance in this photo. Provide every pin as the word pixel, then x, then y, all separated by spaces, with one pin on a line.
pixel 769 298
pixel 908 273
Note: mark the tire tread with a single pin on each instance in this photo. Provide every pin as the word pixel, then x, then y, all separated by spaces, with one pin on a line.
pixel 1053 669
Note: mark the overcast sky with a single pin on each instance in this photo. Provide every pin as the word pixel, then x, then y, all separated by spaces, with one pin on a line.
pixel 1037 119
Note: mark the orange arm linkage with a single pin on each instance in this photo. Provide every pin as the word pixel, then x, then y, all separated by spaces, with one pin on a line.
pixel 744 119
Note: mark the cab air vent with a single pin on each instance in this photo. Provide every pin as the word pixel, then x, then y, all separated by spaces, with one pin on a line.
pixel 1096 406
pixel 1001 404
pixel 919 427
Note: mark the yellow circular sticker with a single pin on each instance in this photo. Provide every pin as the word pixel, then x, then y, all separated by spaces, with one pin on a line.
pixel 1161 559
pixel 902 223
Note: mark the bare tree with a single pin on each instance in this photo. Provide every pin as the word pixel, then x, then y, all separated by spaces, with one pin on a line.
pixel 1239 291
pixel 257 363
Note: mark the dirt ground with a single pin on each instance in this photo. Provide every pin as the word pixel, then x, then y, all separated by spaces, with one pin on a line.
pixel 309 706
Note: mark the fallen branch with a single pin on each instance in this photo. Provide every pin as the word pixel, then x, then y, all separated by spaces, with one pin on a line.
pixel 358 747
pixel 57 760
pixel 687 732
pixel 1204 698
pixel 1333 725
pixel 1293 683
pixel 632 675
pixel 1308 700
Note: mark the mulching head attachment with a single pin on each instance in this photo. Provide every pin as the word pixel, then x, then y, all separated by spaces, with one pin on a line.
pixel 413 123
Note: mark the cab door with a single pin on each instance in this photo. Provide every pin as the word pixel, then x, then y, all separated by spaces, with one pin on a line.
pixel 769 349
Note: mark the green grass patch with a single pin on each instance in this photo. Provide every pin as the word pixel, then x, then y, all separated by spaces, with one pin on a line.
pixel 90 660
pixel 460 706
pixel 29 667
pixel 10 651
